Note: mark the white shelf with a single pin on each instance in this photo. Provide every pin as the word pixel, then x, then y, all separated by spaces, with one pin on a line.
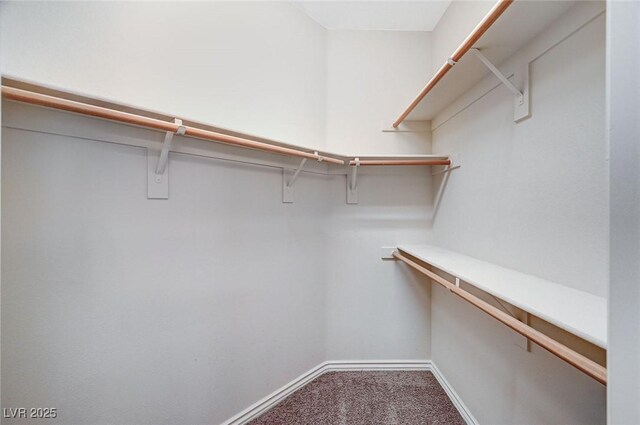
pixel 577 312
pixel 519 24
pixel 398 157
pixel 34 87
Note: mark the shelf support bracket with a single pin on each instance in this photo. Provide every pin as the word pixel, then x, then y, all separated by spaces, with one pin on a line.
pixel 287 183
pixel 352 183
pixel 521 104
pixel 522 341
pixel 295 175
pixel 158 165
pixel 166 146
pixel 499 74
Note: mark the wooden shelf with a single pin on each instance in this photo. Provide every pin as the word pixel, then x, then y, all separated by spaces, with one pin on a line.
pixel 577 312
pixel 518 24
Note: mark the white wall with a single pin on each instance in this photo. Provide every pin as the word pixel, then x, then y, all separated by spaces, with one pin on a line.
pixel 623 99
pixel 376 309
pixel 261 68
pixel 117 308
pixel 188 310
pixel 96 284
pixel 460 18
pixel 258 67
pixel 530 196
pixel 372 76
pixel 105 289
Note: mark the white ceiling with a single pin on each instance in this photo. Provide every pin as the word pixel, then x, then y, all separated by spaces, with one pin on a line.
pixel 417 15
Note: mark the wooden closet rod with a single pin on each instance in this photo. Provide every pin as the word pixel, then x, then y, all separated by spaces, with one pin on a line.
pixel 402 162
pixel 33 98
pixel 467 44
pixel 588 366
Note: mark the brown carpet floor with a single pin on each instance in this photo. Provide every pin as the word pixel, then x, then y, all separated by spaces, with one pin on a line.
pixel 366 397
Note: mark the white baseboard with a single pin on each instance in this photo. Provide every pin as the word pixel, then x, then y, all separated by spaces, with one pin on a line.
pixel 276 397
pixel 280 394
pixel 453 396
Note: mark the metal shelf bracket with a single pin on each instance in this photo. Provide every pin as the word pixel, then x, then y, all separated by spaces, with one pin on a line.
pixel 158 163
pixel 287 183
pixel 352 183
pixel 521 105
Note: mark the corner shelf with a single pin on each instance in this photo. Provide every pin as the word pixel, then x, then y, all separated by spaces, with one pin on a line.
pixel 580 313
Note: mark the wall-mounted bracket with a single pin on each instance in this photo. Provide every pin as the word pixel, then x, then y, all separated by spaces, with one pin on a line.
pixel 287 182
pixel 527 321
pixel 521 315
pixel 352 183
pixel 166 146
pixel 455 163
pixel 521 102
pixel 158 165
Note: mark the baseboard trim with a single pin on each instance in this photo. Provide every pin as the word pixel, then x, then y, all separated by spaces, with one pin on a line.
pixel 280 394
pixel 453 395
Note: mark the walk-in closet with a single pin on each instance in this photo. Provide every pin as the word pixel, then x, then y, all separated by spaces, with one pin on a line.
pixel 320 212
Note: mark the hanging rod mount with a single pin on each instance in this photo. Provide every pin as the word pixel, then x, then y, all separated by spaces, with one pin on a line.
pixel 158 164
pixel 166 146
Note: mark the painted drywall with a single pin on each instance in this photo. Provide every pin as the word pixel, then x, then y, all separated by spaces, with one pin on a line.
pixel 229 308
pixel 375 15
pixel 376 308
pixel 117 308
pixel 623 100
pixel 533 197
pixel 460 18
pixel 364 308
pixel 372 76
pixel 258 67
pixel 543 188
pixel 262 68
